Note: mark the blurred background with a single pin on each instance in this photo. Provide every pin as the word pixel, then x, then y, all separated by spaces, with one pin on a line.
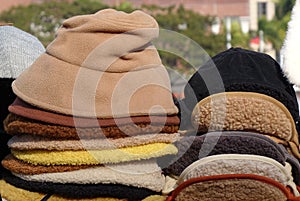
pixel 215 25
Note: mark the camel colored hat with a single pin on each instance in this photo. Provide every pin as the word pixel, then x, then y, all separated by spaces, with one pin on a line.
pixel 100 65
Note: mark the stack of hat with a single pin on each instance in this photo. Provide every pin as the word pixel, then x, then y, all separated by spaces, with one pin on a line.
pixel 18 50
pixel 93 113
pixel 244 112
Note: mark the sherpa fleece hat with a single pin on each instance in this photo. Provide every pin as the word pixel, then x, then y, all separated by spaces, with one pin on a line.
pixel 23 109
pixel 240 70
pixel 246 111
pixel 31 142
pixel 240 164
pixel 141 174
pixel 230 187
pixel 100 65
pixel 11 192
pixel 78 191
pixel 15 125
pixel 95 157
pixel 192 148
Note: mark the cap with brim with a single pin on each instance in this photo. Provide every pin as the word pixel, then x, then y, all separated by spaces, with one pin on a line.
pixel 94 62
pixel 32 142
pixel 23 109
pixel 226 187
pixel 246 111
pixel 78 191
pixel 16 125
pixel 192 148
pixel 141 174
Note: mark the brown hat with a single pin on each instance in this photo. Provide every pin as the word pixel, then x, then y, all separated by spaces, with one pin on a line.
pixel 100 65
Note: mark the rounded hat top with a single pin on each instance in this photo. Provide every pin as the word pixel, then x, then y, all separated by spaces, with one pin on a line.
pixel 100 65
pixel 18 50
pixel 241 70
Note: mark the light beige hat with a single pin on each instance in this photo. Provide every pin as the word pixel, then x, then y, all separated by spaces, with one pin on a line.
pixel 100 65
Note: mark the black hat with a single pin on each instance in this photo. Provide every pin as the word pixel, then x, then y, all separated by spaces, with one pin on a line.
pixel 237 69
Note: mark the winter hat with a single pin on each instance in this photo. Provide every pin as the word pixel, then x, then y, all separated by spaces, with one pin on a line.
pixel 23 109
pixel 238 69
pixel 77 191
pixel 107 57
pixel 11 192
pixel 246 111
pixel 95 157
pixel 193 148
pixel 16 125
pixel 229 187
pixel 14 165
pixel 141 174
pixel 30 142
pixel 18 50
pixel 290 50
pixel 240 164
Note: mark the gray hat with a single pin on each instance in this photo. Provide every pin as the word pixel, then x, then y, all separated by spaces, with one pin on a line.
pixel 18 50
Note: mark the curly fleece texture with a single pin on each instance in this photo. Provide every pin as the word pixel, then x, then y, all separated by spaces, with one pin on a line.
pixel 93 157
pixel 14 165
pixel 30 142
pixel 240 164
pixel 15 125
pixel 81 190
pixel 141 174
pixel 191 148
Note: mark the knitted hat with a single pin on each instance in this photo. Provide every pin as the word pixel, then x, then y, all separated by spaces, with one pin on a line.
pixel 16 125
pixel 241 187
pixel 18 50
pixel 240 70
pixel 100 65
pixel 23 109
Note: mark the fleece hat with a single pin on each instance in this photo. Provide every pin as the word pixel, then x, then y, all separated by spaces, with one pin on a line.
pixel 193 148
pixel 141 174
pixel 228 187
pixel 240 164
pixel 77 191
pixel 15 125
pixel 11 192
pixel 238 69
pixel 247 111
pixel 23 109
pixel 94 62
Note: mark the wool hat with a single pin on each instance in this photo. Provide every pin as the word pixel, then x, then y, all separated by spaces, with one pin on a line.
pixel 23 109
pixel 81 191
pixel 246 111
pixel 192 148
pixel 30 142
pixel 15 125
pixel 94 62
pixel 238 69
pixel 240 164
pixel 11 192
pixel 227 187
pixel 141 174
pixel 95 157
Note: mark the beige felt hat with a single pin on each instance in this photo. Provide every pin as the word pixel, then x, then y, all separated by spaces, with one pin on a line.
pixel 100 65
